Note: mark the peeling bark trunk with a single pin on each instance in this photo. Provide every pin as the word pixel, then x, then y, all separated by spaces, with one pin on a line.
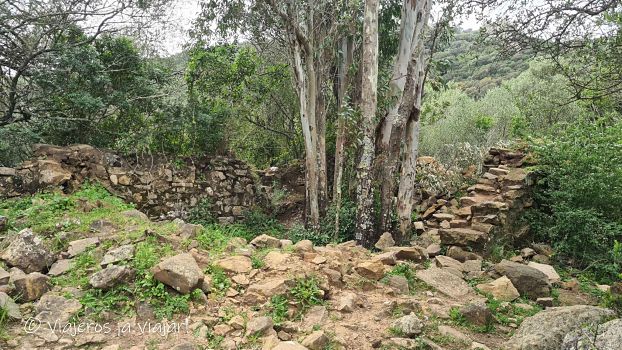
pixel 365 223
pixel 415 16
pixel 411 144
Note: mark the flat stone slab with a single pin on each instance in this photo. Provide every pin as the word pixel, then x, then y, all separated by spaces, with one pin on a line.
pixel 446 282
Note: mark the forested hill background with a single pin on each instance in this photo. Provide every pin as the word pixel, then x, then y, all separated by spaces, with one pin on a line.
pixel 476 66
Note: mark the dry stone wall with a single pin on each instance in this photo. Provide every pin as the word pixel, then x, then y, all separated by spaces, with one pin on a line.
pixel 489 212
pixel 157 186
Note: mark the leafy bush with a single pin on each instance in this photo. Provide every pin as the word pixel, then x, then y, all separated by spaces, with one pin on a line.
pixel 202 213
pixel 578 196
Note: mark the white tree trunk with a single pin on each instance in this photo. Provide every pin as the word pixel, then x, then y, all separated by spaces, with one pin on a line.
pixel 307 133
pixel 365 223
pixel 411 144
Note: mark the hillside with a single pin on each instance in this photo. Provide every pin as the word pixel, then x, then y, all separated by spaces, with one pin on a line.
pixel 475 66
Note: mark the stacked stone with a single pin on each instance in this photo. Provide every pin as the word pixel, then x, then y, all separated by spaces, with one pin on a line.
pixel 155 185
pixel 489 210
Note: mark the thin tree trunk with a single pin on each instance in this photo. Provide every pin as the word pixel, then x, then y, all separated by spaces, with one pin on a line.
pixel 307 132
pixel 365 224
pixel 344 64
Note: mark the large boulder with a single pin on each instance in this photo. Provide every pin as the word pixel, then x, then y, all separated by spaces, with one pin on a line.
pixel 180 272
pixel 28 252
pixel 265 241
pixel 607 336
pixel 546 330
pixel 446 282
pixel 529 282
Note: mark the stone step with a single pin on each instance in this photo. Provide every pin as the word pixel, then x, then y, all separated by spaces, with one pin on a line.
pixel 481 188
pixel 498 171
pixel 487 208
pixel 489 176
pixel 463 237
pixel 486 219
pixel 443 216
pixel 458 223
pixel 481 227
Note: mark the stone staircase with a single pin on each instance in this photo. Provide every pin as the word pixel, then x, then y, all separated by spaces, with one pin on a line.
pixel 488 212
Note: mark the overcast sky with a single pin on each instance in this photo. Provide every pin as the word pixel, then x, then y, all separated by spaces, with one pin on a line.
pixel 185 11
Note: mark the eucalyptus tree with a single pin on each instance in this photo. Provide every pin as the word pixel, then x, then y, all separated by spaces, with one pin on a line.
pixel 309 31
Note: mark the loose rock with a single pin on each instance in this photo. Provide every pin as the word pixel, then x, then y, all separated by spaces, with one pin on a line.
pixel 28 252
pixel 180 272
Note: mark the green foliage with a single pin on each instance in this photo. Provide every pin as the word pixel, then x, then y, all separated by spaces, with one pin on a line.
pixel 407 272
pixel 326 233
pixel 278 309
pixel 220 281
pixel 306 293
pixel 202 213
pixel 578 196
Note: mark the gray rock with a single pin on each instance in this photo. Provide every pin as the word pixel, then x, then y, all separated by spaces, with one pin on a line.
pixel 265 241
pixel 28 252
pixel 607 336
pixel 53 308
pixel 135 214
pixel 477 313
pixel 103 226
pixel 529 281
pixel 385 241
pixel 399 283
pixel 446 282
pixel 259 325
pixel 546 330
pixel 60 267
pixel 9 306
pixel 3 223
pixel 409 326
pixel 80 246
pixel 122 253
pixel 111 276
pixel 180 272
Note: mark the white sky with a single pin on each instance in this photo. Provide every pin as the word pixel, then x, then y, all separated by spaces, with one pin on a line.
pixel 185 11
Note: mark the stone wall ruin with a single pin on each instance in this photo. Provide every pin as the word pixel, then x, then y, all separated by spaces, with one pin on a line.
pixel 156 186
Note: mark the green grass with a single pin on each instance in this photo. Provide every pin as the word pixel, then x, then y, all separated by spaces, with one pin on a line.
pixel 220 282
pixel 278 307
pixel 405 270
pixel 51 214
pixel 306 293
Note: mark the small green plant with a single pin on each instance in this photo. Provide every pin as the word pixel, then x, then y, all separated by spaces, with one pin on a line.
pixel 306 293
pixel 407 272
pixel 457 317
pixel 257 261
pixel 278 307
pixel 202 213
pixel 220 282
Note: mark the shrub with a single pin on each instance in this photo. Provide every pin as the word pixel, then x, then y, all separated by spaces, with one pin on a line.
pixel 578 196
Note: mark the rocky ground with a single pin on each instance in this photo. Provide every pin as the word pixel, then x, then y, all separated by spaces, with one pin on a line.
pixel 272 294
pixel 86 271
